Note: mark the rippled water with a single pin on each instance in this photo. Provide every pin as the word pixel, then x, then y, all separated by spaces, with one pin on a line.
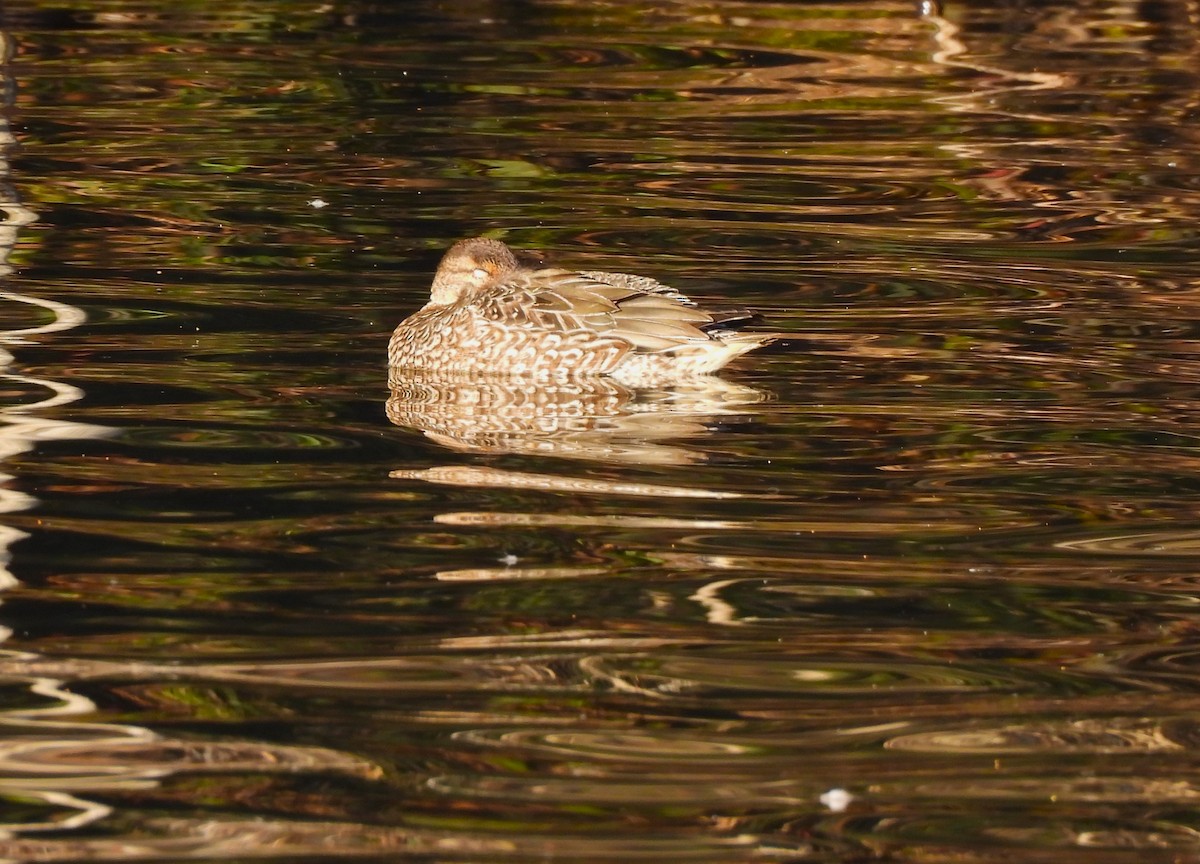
pixel 919 584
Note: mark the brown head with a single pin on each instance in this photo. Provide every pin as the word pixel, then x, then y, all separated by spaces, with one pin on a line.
pixel 470 265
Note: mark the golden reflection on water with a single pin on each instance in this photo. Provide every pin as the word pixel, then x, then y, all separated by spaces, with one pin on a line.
pixel 47 756
pixel 50 755
pixel 480 477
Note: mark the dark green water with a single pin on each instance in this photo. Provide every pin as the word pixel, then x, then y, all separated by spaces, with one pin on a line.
pixel 940 551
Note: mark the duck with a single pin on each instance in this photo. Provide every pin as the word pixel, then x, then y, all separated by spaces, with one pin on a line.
pixel 492 312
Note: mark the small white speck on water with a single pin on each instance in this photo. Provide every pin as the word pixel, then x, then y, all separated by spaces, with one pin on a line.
pixel 508 560
pixel 837 800
pixel 318 203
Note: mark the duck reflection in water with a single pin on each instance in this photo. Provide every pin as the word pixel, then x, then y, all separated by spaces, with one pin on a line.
pixel 592 418
pixel 507 358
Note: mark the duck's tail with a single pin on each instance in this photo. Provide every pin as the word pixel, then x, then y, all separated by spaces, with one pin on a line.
pixel 727 346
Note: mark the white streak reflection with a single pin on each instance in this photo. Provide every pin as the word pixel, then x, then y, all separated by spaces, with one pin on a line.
pixel 19 431
pixel 481 477
pixel 952 52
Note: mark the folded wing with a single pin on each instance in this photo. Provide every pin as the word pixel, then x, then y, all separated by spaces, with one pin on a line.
pixel 650 316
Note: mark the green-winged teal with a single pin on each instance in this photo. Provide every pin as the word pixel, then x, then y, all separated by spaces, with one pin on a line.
pixel 488 314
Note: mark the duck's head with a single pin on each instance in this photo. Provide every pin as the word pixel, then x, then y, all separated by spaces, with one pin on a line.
pixel 470 265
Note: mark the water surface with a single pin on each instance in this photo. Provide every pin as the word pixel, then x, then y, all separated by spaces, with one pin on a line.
pixel 939 550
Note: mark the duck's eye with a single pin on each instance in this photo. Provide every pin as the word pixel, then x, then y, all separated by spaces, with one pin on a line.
pixel 480 273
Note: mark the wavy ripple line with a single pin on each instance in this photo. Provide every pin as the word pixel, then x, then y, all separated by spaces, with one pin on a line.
pixel 19 431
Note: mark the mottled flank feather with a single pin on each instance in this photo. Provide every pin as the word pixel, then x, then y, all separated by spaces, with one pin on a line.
pixel 490 315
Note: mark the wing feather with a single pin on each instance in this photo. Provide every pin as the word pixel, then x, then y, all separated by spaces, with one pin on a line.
pixel 640 311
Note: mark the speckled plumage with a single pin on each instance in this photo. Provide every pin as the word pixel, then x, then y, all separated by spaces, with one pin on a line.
pixel 489 315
